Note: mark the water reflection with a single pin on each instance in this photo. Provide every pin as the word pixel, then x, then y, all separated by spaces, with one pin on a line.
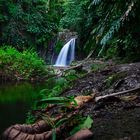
pixel 15 101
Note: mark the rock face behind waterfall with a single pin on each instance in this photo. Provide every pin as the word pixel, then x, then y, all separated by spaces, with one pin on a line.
pixel 66 35
pixel 49 53
pixel 67 54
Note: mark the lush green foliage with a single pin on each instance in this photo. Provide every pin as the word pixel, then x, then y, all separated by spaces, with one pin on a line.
pixel 110 28
pixel 107 27
pixel 55 86
pixel 76 18
pixel 74 14
pixel 114 27
pixel 29 23
pixel 20 65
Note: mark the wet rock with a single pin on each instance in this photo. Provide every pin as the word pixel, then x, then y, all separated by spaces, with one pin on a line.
pixel 84 134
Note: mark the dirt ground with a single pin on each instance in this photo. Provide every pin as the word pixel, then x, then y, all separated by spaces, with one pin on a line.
pixel 116 118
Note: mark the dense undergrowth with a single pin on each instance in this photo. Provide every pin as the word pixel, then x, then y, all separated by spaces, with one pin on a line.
pixel 52 95
pixel 54 88
pixel 28 23
pixel 109 29
pixel 26 65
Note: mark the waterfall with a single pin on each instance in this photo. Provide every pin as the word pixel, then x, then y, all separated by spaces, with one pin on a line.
pixel 67 54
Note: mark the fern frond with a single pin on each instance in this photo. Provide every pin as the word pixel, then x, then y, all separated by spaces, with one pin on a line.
pixel 114 28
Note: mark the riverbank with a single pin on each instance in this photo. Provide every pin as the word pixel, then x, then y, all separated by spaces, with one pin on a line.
pixel 16 99
pixel 21 66
pixel 115 117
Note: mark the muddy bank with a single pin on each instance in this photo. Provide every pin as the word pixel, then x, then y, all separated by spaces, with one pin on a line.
pixel 119 125
pixel 108 80
pixel 116 117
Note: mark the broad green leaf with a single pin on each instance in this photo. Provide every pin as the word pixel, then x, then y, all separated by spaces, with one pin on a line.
pixel 55 100
pixel 60 122
pixel 87 124
pixel 53 134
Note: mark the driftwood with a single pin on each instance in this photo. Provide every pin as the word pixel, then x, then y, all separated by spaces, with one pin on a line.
pixel 62 72
pixel 81 100
pixel 136 89
pixel 77 67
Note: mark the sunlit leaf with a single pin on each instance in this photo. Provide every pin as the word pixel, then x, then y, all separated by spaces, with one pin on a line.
pixel 86 125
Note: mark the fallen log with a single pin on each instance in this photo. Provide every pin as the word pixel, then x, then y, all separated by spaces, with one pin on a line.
pixel 136 89
pixel 77 67
pixel 61 70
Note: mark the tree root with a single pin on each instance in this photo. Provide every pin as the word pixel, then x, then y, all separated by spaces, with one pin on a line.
pixel 41 130
pixel 38 131
pixel 15 134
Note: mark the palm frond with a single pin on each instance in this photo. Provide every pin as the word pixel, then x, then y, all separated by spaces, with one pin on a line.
pixel 115 27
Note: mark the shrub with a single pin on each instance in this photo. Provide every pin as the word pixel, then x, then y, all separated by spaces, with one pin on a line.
pixel 20 65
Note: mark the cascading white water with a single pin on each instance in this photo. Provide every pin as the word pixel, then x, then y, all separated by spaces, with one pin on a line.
pixel 67 54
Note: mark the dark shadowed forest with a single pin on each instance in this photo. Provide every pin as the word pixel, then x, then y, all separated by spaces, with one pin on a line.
pixel 70 70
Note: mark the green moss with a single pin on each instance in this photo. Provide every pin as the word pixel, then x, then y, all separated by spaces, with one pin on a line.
pixel 58 46
pixel 113 78
pixel 98 66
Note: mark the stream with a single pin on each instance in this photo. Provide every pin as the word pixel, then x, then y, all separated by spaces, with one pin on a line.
pixel 16 100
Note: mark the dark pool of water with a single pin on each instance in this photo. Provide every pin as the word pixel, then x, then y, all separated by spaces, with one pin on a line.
pixel 15 101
